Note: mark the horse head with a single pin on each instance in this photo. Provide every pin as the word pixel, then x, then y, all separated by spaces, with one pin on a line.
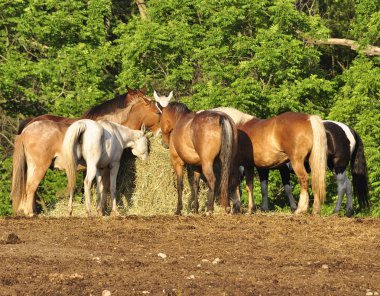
pixel 140 144
pixel 166 126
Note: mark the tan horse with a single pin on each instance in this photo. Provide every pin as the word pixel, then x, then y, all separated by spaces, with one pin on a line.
pixel 291 136
pixel 38 147
pixel 200 140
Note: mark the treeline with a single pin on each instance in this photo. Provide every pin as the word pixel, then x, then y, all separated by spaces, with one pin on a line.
pixel 262 57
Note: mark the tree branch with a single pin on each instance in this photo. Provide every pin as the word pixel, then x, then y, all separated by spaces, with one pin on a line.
pixel 370 50
pixel 142 9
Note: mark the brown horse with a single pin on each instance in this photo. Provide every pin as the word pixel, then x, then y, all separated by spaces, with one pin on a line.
pixel 291 136
pixel 38 147
pixel 199 139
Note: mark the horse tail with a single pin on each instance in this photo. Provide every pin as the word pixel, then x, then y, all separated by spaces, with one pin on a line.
pixel 69 152
pixel 318 158
pixel 359 173
pixel 226 156
pixel 18 174
pixel 23 124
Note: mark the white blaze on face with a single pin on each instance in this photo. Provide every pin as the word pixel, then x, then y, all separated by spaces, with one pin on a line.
pixel 348 133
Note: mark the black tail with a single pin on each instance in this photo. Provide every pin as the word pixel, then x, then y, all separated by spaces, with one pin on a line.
pixel 226 157
pixel 359 174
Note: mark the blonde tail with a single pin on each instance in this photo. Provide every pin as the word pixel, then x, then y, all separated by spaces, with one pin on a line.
pixel 18 174
pixel 318 159
pixel 69 152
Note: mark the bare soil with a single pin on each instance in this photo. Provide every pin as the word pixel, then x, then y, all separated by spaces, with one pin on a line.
pixel 262 254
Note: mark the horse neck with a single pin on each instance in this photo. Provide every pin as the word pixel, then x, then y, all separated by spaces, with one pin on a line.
pixel 127 134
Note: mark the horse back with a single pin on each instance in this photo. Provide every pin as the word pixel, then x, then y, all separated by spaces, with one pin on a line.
pixel 197 136
pixel 277 138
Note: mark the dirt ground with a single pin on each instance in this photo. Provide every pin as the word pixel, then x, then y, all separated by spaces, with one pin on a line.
pixel 262 254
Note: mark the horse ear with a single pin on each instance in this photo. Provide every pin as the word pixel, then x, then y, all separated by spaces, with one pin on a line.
pixel 170 96
pixel 143 90
pixel 143 128
pixel 156 97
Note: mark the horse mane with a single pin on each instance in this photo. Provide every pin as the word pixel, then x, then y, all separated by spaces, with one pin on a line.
pixel 106 108
pixel 178 107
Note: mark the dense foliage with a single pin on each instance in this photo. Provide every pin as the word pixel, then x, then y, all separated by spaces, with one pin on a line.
pixel 64 56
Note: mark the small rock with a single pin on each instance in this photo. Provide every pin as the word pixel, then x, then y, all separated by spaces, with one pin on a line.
pixel 369 294
pixel 191 277
pixel 205 261
pixel 216 261
pixel 13 239
pixel 325 266
pixel 162 255
pixel 145 292
pixel 376 293
pixel 199 265
pixel 106 293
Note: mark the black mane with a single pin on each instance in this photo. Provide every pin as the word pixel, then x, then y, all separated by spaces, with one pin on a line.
pixel 179 107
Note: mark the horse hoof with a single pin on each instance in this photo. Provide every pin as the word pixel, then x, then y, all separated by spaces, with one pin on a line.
pixel 178 213
pixel 300 212
pixel 349 212
pixel 115 213
pixel 208 213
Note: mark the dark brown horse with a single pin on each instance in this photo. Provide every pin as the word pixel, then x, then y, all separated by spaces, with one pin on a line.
pixel 38 147
pixel 291 136
pixel 199 139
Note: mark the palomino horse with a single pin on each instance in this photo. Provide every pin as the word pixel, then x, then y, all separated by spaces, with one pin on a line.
pixel 98 145
pixel 344 147
pixel 199 139
pixel 39 145
pixel 294 137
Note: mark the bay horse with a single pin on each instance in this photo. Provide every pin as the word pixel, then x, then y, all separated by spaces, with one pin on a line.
pixel 39 145
pixel 200 140
pixel 290 136
pixel 98 145
pixel 344 148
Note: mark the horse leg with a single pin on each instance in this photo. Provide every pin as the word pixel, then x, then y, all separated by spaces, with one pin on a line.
pixel 235 189
pixel 196 178
pixel 91 173
pixel 300 171
pixel 341 186
pixel 249 170
pixel 349 204
pixel 285 177
pixel 264 176
pixel 114 168
pixel 34 176
pixel 100 191
pixel 178 169
pixel 208 171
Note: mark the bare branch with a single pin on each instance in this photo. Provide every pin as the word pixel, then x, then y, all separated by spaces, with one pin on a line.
pixel 370 50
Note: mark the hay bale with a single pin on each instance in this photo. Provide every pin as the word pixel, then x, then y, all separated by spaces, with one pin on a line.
pixel 143 187
pixel 149 187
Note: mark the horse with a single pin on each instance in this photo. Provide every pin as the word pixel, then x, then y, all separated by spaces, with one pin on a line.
pixel 200 140
pixel 112 110
pixel 98 145
pixel 39 145
pixel 344 148
pixel 290 136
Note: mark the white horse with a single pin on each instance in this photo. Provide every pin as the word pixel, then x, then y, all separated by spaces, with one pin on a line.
pixel 99 145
